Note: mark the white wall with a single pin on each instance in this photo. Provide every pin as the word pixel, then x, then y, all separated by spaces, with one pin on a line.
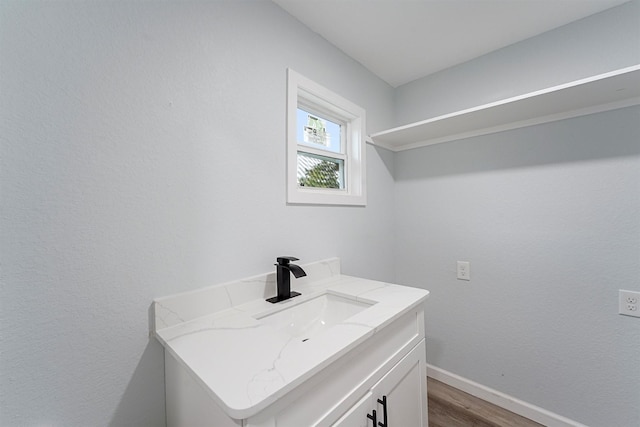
pixel 549 218
pixel 143 154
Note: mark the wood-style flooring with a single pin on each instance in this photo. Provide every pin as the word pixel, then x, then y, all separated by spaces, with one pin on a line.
pixel 450 407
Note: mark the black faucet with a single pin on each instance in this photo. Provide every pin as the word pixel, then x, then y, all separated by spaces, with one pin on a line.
pixel 283 279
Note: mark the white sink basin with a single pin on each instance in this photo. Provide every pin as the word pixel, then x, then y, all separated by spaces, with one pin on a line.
pixel 311 317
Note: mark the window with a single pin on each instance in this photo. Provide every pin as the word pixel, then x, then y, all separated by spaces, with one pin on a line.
pixel 325 146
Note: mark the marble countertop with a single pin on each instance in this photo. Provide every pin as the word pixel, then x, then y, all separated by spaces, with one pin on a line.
pixel 244 363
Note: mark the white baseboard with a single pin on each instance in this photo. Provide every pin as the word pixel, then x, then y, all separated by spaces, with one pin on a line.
pixel 500 399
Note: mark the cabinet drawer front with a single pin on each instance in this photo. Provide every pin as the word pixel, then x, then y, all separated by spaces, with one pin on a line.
pixel 356 416
pixel 322 400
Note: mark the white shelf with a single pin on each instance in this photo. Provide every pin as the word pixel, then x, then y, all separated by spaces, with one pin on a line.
pixel 616 89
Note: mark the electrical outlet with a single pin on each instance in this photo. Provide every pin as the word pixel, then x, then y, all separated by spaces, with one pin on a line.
pixel 464 270
pixel 629 303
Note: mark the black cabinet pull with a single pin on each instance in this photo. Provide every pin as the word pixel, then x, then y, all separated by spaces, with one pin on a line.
pixel 373 418
pixel 383 402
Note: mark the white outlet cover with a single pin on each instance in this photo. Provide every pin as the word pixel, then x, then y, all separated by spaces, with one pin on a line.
pixel 629 303
pixel 464 270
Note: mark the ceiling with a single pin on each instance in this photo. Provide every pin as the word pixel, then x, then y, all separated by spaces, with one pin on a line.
pixel 403 40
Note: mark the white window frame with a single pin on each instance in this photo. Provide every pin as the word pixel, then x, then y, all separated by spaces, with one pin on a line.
pixel 307 94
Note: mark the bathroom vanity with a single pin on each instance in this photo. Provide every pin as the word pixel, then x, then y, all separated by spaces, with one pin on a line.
pixel 347 352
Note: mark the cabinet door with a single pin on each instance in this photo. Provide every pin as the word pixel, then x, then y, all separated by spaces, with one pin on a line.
pixel 357 415
pixel 405 390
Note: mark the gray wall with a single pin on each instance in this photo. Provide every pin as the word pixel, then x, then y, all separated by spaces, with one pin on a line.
pixel 548 216
pixel 597 44
pixel 143 154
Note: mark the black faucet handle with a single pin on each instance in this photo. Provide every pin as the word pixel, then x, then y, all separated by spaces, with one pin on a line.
pixel 284 260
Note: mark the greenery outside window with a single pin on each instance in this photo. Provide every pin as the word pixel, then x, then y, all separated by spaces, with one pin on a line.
pixel 325 146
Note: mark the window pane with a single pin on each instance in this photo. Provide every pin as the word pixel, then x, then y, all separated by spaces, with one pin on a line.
pixel 318 132
pixel 320 172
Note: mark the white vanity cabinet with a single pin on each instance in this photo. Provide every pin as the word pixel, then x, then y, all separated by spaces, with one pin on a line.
pixel 405 390
pixel 230 361
pixel 390 365
pixel 398 399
